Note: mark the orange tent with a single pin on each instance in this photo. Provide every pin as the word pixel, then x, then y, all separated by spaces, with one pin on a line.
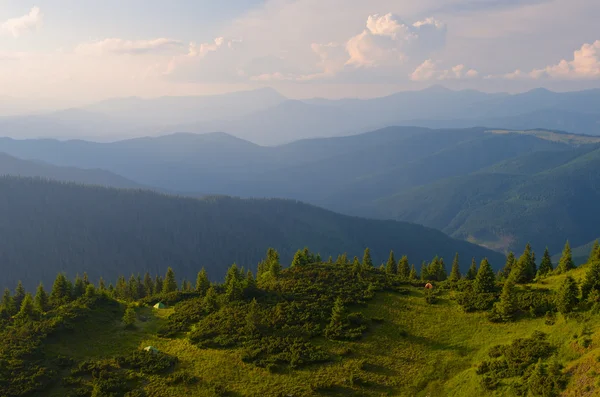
pixel 428 286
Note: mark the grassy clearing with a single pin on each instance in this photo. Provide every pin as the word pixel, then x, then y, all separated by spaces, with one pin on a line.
pixel 418 350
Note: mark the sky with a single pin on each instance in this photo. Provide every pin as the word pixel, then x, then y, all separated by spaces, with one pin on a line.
pixel 80 51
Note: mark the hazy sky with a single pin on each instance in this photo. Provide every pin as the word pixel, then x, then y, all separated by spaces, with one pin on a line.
pixel 84 50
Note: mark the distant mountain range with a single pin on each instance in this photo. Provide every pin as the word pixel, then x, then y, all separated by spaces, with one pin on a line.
pixel 497 188
pixel 49 227
pixel 265 117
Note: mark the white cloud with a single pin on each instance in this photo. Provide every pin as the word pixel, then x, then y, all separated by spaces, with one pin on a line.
pixel 18 26
pixel 428 70
pixel 584 65
pixel 131 47
pixel 387 40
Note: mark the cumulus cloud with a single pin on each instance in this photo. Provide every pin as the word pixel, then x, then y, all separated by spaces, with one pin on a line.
pixel 429 70
pixel 18 26
pixel 584 65
pixel 131 47
pixel 388 40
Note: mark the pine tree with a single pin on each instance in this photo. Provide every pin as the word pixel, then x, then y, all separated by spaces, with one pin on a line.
pixel 234 289
pixel 330 260
pixel 170 284
pixel 202 282
pixel 148 285
pixel 129 317
pixel 523 271
pixel 8 304
pixel 485 280
pixel 338 319
pixel 413 275
pixel 367 262
pixel 424 271
pixel 592 280
pixel 250 286
pixel 273 263
pixel 455 272
pixel 27 310
pixel 19 295
pixel 90 291
pixel 546 264
pixel 186 286
pixel 61 291
pixel 101 285
pixel 78 287
pixel 567 296
pixel 318 258
pixel 121 289
pixel 210 300
pixel 507 305
pixel 132 288
pixel 404 268
pixel 41 299
pixel 566 260
pixel 533 265
pixel 472 273
pixel 510 263
pixel 158 285
pixel 442 274
pixel 356 266
pixel 86 279
pixel 391 266
pixel 300 259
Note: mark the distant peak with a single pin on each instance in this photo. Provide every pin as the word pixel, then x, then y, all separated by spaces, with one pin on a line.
pixel 437 88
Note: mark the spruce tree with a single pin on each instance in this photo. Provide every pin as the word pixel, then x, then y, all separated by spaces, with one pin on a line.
pixel 210 302
pixel 202 282
pixel 132 288
pixel 413 275
pixel 356 266
pixel 510 263
pixel 506 308
pixel 61 291
pixel 129 317
pixel 566 260
pixel 86 279
pixel 485 280
pixel 121 289
pixel 424 271
pixel 592 280
pixel 234 290
pixel 90 291
pixel 148 285
pixel 404 267
pixel 546 264
pixel 78 287
pixel 158 285
pixel 567 296
pixel 472 272
pixel 101 285
pixel 8 304
pixel 338 319
pixel 170 284
pixel 27 310
pixel 391 266
pixel 300 259
pixel 19 295
pixel 41 299
pixel 273 262
pixel 523 271
pixel 367 262
pixel 330 260
pixel 250 286
pixel 442 274
pixel 455 272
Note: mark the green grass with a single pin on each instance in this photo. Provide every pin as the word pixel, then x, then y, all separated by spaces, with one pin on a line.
pixel 418 350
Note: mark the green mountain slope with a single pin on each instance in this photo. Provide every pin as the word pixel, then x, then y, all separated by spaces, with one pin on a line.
pixel 49 227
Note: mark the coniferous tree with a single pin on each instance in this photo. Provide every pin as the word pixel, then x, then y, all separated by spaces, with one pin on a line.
pixel 300 259
pixel 485 280
pixel 41 299
pixel 592 280
pixel 129 317
pixel 391 266
pixel 404 268
pixel 356 266
pixel 506 308
pixel 510 263
pixel 121 288
pixel 132 288
pixel 86 279
pixel 158 285
pixel 472 272
pixel 141 290
pixel 318 258
pixel 19 295
pixel 253 317
pixel 90 291
pixel 367 262
pixel 567 296
pixel 78 287
pixel 273 262
pixel 523 271
pixel 170 284
pixel 455 272
pixel 61 291
pixel 413 275
pixel 250 286
pixel 566 260
pixel 442 274
pixel 202 282
pixel 338 319
pixel 533 265
pixel 148 285
pixel 330 260
pixel 210 300
pixel 546 264
pixel 424 271
pixel 101 285
pixel 27 310
pixel 8 304
pixel 186 285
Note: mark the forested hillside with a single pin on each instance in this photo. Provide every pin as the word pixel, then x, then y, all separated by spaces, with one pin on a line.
pixel 47 227
pixel 315 329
